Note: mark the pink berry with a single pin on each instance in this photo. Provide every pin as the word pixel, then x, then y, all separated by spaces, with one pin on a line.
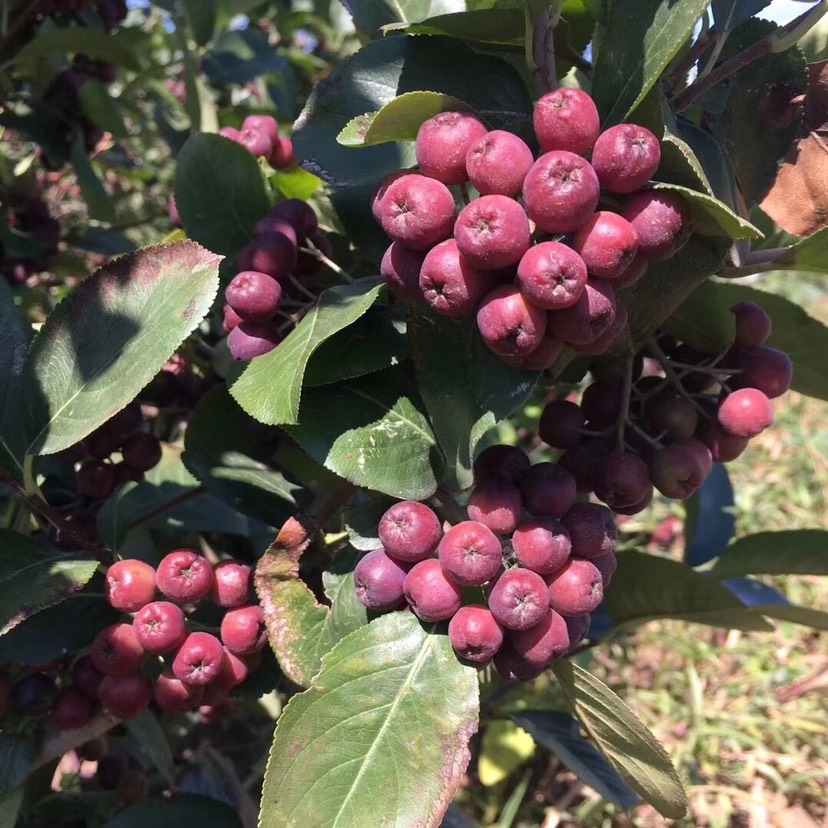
pixel 470 553
pixel 450 283
pixel 160 627
pixel 230 319
pixel 432 595
pixel 607 244
pixel 475 634
pixel 498 162
pixel 273 254
pixel 199 659
pixel 231 584
pixel 745 413
pixel 498 506
pixel 566 119
pixel 271 224
pixel 542 358
pixel 256 141
pixel 243 630
pixel 173 696
pixel 625 157
pixel 264 123
pixel 723 447
pixel 552 275
pixel 589 317
pixel 592 530
pixel 126 696
pixel 576 588
pixel 409 531
pixel 492 232
pixel 249 340
pixel 442 144
pixel 545 641
pixel 662 223
pixel 509 324
pixel 542 545
pixel 253 296
pixel 184 576
pixel 753 324
pixel 519 599
pixel 400 268
pixel 679 469
pixel 378 581
pixel 116 650
pixel 130 584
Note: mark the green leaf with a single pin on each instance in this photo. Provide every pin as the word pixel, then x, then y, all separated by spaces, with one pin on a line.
pixel 372 15
pixel 295 183
pixel 803 338
pixel 703 322
pixel 110 336
pixel 398 120
pixel 637 50
pixel 808 255
pixel 504 748
pixel 14 342
pixel 34 576
pixel 16 760
pixel 220 192
pixel 712 217
pixel 634 752
pixel 789 552
pixel 101 108
pixel 151 740
pixel 495 25
pixel 646 587
pixel 10 805
pixel 378 439
pixel 119 47
pixel 201 17
pixel 383 70
pixel 178 811
pixel 384 731
pixel 300 629
pixel 271 385
pixel 98 202
pixel 795 614
pixel 466 388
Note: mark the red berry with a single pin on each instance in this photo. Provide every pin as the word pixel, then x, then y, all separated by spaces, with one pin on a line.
pixel 86 676
pixel 470 553
pixel 587 318
pixel 745 413
pixel 513 667
pixel 592 530
pixel 498 162
pixel 552 275
pixel 576 588
pixel 273 254
pixel 545 641
pixel 126 696
pixel 400 268
pixel 519 599
pixel 443 142
pixel 542 358
pixel 95 479
pixel 578 627
pixel 475 634
pixel 173 696
pixel 231 584
pixel 184 576
pixel 141 451
pixel 767 369
pixel 282 157
pixel 723 447
pixel 243 630
pixel 249 340
pixel 662 223
pixel 299 214
pixel 129 585
pixel 492 232
pixel 607 244
pixel 230 319
pixel 679 469
pixel 116 650
pixel 625 157
pixel 378 581
pixel 606 565
pixel 253 296
pixel 271 224
pixel 497 506
pixel 509 324
pixel 674 417
pixel 431 595
pixel 199 659
pixel 72 709
pixel 256 141
pixel 566 119
pixel 409 531
pixel 542 545
pixel 623 480
pixel 449 282
pixel 160 627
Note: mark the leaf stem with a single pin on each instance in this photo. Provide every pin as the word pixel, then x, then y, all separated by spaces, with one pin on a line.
pixel 626 395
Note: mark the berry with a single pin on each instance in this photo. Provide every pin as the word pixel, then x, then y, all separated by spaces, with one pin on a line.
pixel 299 214
pixel 141 451
pixel 33 695
pixel 552 275
pixel 745 413
pixel 607 244
pixel 498 162
pixel 184 576
pixel 409 531
pixel 587 318
pixel 249 340
pixel 116 650
pixel 623 480
pixel 498 506
pixel 470 553
pixel 606 565
pixel 378 580
pixel 431 595
pixel 545 641
pixel 767 369
pixel 560 424
pixel 230 319
pixel 442 144
pixel 543 357
pixel 264 123
pixel 282 157
pixel 625 157
pixel 723 447
pixel 95 479
pixel 582 462
pixel 400 267
pixel 475 634
pixel 126 696
pixel 233 672
pixel 500 463
pixel 449 282
pixel 512 667
pixel 566 119
pixel 753 325
pixel 243 630
pixel 542 545
pixel 592 530
pixel 560 192
pixel 271 224
pixel 605 340
pixel 548 490
pixel 231 133
pixel 601 402
pixel 160 627
pixel 576 588
pixel 509 324
pixel 492 232
pixel 86 677
pixel 199 659
pixel 674 417
pixel 662 223
pixel 578 627
pixel 256 141
pixel 273 254
pixel 519 599
pixel 415 211
pixel 72 709
pixel 231 584
pixel 633 273
pixel 679 469
pixel 253 296
pixel 129 585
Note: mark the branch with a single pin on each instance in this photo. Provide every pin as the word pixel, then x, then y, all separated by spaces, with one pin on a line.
pixel 543 50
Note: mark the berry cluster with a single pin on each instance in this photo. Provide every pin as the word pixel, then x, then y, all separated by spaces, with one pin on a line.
pixel 539 559
pixel 30 218
pixel 670 414
pixel 536 256
pixel 191 667
pixel 260 136
pixel 286 244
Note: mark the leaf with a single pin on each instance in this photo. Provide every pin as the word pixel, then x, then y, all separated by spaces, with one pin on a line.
pixel 503 749
pixel 703 322
pixel 467 389
pixel 561 734
pixel 219 191
pixel 803 338
pixel 295 183
pixel 361 519
pixel 16 760
pixel 809 255
pixel 98 202
pixel 710 522
pixel 271 385
pixel 641 45
pixel 14 342
pixel 101 108
pixel 728 14
pixel 177 811
pixel 634 752
pixel 788 552
pixel 110 336
pixel 383 70
pixel 120 47
pixel 495 25
pixel 796 615
pixel 241 57
pixel 712 217
pixel 754 593
pixel 372 15
pixel 300 629
pixel 10 805
pixel 379 438
pixel 151 740
pixel 399 120
pixel 384 729
pixel 646 587
pixel 34 576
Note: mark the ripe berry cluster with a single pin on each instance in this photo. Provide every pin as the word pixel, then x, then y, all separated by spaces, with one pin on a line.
pixel 260 136
pixel 538 559
pixel 282 249
pixel 191 667
pixel 533 256
pixel 30 217
pixel 671 414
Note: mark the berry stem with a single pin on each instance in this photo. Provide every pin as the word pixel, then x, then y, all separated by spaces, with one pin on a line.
pixel 312 250
pixel 702 369
pixel 300 287
pixel 671 374
pixel 626 395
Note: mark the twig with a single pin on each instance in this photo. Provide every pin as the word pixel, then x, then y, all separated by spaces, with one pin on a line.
pixel 694 53
pixel 542 38
pixel 624 414
pixel 662 359
pixel 301 288
pixel 313 250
